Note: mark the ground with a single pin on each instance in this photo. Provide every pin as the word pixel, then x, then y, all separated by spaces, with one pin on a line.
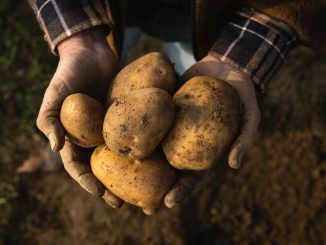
pixel 278 196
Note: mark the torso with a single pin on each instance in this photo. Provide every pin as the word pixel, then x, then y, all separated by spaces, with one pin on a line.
pixel 164 19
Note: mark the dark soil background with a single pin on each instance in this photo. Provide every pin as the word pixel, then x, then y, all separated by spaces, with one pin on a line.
pixel 277 197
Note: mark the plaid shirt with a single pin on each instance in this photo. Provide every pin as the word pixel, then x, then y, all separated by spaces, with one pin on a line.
pixel 60 19
pixel 255 44
pixel 251 42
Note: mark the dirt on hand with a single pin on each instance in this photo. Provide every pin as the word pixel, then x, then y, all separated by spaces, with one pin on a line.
pixel 277 197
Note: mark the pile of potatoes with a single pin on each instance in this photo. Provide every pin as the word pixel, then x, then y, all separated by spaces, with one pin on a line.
pixel 148 132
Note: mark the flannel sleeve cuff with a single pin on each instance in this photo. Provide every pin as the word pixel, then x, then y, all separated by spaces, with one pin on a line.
pixel 254 44
pixel 60 19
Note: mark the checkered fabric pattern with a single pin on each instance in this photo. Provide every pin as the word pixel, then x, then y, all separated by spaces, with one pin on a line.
pixel 60 19
pixel 255 44
pixel 251 42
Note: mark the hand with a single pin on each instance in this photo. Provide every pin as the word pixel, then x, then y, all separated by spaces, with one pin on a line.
pixel 250 118
pixel 250 114
pixel 87 65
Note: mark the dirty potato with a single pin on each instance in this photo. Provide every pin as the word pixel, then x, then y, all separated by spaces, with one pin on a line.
pixel 152 70
pixel 135 124
pixel 82 118
pixel 143 183
pixel 207 121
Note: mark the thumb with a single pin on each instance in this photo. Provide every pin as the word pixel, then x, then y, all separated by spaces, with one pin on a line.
pixel 48 118
pixel 53 130
pixel 182 188
pixel 250 116
pixel 250 119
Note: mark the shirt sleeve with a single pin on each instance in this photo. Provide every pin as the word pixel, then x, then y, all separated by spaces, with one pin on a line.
pixel 60 19
pixel 254 44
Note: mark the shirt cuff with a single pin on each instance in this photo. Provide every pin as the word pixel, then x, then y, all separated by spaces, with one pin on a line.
pixel 254 44
pixel 60 19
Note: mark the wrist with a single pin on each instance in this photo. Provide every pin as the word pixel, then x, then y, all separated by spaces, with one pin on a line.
pixel 93 39
pixel 214 67
pixel 255 44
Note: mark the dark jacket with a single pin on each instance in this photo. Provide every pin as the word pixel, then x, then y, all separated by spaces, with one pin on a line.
pixel 305 17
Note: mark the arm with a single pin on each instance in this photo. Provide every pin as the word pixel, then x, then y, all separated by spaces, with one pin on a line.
pixel 77 33
pixel 306 18
pixel 250 49
pixel 61 19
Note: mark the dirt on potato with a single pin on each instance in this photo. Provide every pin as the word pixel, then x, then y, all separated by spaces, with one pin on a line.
pixel 277 197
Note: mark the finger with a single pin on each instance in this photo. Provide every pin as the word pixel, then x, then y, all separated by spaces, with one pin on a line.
pixel 181 189
pixel 76 162
pixel 48 118
pixel 112 200
pixel 89 183
pixel 150 211
pixel 250 122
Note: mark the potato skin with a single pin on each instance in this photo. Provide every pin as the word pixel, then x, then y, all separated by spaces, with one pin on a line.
pixel 82 118
pixel 141 183
pixel 135 124
pixel 153 70
pixel 207 121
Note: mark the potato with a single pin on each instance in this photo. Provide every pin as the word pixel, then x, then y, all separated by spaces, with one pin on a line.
pixel 135 124
pixel 152 70
pixel 141 183
pixel 207 121
pixel 82 118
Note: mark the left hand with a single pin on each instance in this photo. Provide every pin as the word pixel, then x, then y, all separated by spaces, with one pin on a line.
pixel 87 65
pixel 250 119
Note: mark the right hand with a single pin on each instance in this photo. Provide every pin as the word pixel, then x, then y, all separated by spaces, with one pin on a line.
pixel 250 118
pixel 87 65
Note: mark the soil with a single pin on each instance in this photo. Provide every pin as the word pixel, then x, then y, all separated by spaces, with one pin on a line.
pixel 277 197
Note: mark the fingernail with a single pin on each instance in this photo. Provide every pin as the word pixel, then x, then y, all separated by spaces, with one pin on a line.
pixel 53 142
pixel 147 212
pixel 169 203
pixel 150 211
pixel 179 197
pixel 234 163
pixel 113 205
pixel 236 158
pixel 113 201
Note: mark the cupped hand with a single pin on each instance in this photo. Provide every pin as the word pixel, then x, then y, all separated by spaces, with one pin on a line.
pixel 250 113
pixel 87 65
pixel 250 119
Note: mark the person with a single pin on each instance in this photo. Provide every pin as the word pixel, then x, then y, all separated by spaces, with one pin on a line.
pixel 240 42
